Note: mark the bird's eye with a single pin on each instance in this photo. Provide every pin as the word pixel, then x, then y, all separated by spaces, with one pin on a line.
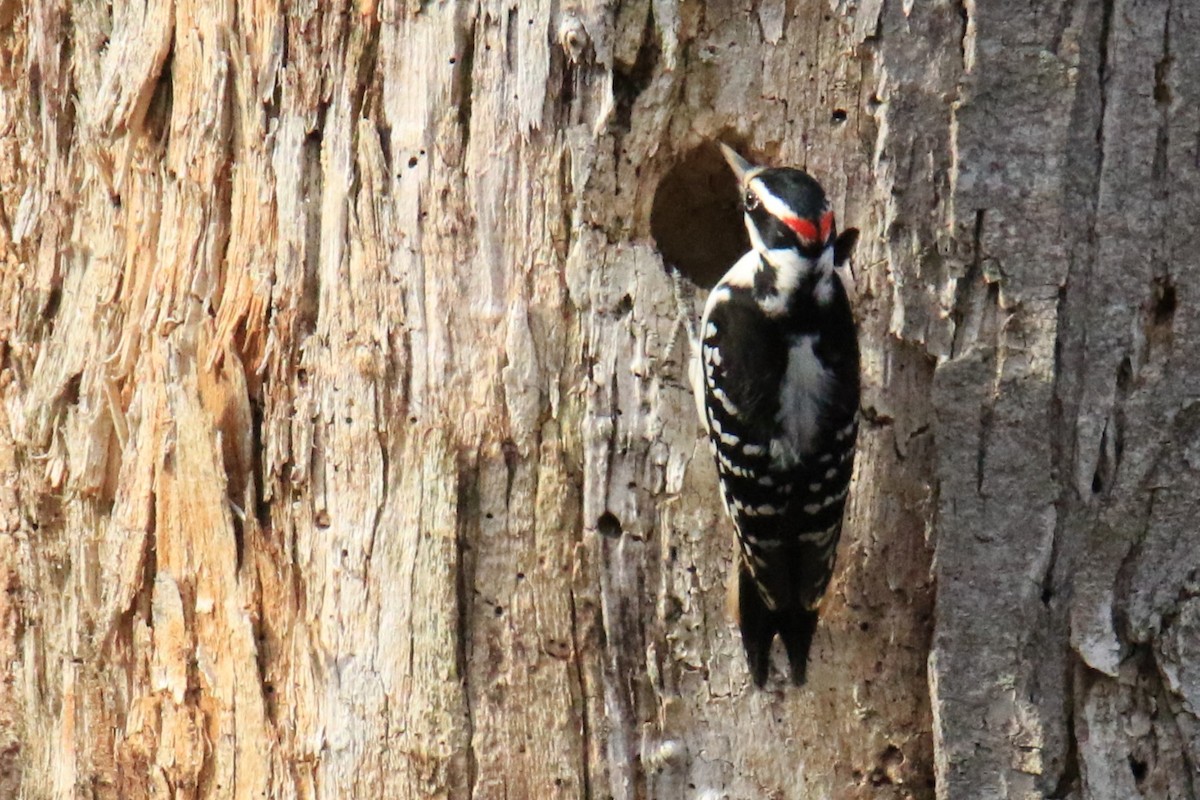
pixel 750 201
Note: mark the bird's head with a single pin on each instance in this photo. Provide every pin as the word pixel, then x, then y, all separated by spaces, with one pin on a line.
pixel 786 209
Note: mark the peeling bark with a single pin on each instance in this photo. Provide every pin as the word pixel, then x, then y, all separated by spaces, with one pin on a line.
pixel 346 447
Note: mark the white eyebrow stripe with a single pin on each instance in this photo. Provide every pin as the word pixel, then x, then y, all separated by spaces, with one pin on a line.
pixel 771 202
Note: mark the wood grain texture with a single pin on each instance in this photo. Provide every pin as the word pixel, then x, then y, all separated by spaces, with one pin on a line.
pixel 346 447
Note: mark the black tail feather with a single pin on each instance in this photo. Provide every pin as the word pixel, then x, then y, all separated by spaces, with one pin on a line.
pixel 759 625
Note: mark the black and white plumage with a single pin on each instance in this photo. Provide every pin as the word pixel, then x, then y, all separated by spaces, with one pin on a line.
pixel 777 388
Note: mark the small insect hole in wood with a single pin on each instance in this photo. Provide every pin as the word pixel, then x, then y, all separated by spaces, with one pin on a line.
pixel 608 525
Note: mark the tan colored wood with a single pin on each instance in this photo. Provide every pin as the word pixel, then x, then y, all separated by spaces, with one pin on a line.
pixel 346 447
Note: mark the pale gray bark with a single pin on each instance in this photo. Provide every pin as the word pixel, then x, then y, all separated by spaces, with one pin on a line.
pixel 347 447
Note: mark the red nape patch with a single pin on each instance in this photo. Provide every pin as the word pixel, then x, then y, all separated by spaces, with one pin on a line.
pixel 826 225
pixel 802 228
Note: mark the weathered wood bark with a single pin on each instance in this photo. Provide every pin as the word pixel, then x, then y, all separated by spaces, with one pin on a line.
pixel 346 446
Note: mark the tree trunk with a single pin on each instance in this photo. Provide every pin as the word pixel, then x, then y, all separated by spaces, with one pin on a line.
pixel 347 446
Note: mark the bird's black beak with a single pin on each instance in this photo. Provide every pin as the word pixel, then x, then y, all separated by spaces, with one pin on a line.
pixel 740 166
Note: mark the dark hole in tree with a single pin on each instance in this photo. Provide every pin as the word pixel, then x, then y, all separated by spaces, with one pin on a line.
pixel 70 392
pixel 1165 301
pixel 839 115
pixel 53 301
pixel 609 525
pixel 696 220
pixel 1137 768
pixel 892 756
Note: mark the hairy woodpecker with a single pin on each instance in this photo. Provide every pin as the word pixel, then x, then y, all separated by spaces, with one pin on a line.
pixel 777 388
